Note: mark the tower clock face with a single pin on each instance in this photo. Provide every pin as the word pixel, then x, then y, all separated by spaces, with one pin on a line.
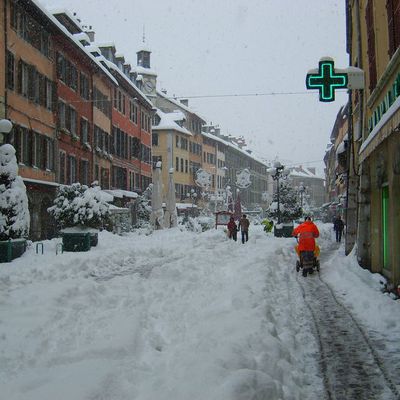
pixel 148 86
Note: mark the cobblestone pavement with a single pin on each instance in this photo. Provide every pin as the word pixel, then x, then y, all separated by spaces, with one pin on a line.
pixel 351 365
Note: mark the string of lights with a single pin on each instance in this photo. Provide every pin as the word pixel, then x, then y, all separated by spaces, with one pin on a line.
pixel 204 96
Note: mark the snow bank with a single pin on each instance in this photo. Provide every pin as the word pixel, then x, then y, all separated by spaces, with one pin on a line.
pixel 169 315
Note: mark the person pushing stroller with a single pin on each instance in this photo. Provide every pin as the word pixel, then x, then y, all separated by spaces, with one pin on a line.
pixel 306 234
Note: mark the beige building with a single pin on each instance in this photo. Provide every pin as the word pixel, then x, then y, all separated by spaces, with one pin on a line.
pixel 374 46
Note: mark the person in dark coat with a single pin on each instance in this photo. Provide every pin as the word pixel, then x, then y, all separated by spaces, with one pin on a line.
pixel 244 224
pixel 232 229
pixel 338 227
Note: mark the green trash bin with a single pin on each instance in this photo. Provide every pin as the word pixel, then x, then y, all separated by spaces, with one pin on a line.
pixel 284 231
pixel 11 249
pixel 76 241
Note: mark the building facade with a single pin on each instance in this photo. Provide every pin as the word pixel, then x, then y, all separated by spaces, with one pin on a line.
pixel 374 45
pixel 62 97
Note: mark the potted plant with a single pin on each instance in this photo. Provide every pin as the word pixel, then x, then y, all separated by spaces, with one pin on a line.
pixel 79 211
pixel 14 211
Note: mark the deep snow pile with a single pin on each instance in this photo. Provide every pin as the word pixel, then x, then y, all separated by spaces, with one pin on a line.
pixel 171 315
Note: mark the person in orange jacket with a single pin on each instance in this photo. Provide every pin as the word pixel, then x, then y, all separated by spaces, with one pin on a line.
pixel 306 234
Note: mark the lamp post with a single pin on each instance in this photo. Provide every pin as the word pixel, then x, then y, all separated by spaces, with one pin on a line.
pixel 276 174
pixel 302 190
pixel 193 196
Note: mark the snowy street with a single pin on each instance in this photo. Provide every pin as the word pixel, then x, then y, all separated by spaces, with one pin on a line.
pixel 183 315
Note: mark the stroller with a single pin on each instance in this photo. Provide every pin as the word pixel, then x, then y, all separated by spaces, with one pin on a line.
pixel 308 260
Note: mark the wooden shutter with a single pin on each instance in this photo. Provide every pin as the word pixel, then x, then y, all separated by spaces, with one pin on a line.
pixel 369 17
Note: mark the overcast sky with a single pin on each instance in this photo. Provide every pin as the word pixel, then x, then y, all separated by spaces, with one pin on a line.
pixel 236 47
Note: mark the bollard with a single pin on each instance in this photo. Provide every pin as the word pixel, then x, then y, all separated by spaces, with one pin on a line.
pixel 37 247
pixel 61 247
pixel 9 250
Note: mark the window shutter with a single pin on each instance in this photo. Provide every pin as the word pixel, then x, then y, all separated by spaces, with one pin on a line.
pixel 369 17
pixel 396 23
pixel 69 170
pixel 19 86
pixel 389 9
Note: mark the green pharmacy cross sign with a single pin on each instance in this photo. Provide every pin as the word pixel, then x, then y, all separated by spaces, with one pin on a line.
pixel 326 80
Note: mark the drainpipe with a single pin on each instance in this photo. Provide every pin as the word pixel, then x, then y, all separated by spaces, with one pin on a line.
pixel 5 56
pixel 364 206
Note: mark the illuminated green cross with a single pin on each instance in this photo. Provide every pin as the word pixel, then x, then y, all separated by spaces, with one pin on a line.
pixel 326 81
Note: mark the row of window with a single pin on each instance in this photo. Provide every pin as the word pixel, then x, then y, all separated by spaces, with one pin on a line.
pixel 182 191
pixel 101 102
pixel 181 142
pixel 73 170
pixel 119 179
pixel 30 83
pixel 195 148
pixel 29 29
pixel 182 166
pixel 33 149
pixel 185 144
pixel 209 158
pixel 67 118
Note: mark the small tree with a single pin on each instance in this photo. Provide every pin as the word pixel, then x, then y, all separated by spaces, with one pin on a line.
pixel 288 204
pixel 79 205
pixel 14 211
pixel 143 207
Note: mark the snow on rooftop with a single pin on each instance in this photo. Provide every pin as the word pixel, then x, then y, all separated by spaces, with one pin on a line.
pixel 141 70
pixel 74 18
pixel 168 122
pixel 178 103
pixel 114 67
pixel 76 40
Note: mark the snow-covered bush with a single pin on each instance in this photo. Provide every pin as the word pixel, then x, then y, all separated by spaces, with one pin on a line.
pixel 14 211
pixel 288 204
pixel 199 224
pixel 80 205
pixel 143 208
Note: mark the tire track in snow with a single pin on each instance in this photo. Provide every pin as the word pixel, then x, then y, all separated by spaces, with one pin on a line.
pixel 351 367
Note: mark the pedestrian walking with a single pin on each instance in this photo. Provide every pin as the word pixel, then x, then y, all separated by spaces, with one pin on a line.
pixel 244 224
pixel 338 227
pixel 232 229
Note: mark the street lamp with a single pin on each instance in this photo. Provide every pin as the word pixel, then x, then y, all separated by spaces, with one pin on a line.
pixel 5 128
pixel 277 172
pixel 193 196
pixel 302 190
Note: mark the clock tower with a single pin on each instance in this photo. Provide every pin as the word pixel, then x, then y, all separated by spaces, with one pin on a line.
pixel 148 78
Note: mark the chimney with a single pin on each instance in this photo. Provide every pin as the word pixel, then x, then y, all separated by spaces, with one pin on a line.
pixel 90 33
pixel 185 102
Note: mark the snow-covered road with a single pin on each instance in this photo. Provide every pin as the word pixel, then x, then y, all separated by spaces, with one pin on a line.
pixel 171 315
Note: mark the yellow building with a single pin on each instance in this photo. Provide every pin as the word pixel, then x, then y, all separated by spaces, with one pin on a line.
pixel 374 46
pixel 171 147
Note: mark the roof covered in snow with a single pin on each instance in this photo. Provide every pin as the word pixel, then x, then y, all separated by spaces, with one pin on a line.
pixel 169 121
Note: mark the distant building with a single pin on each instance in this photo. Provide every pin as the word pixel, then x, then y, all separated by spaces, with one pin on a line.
pixel 314 185
pixel 336 166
